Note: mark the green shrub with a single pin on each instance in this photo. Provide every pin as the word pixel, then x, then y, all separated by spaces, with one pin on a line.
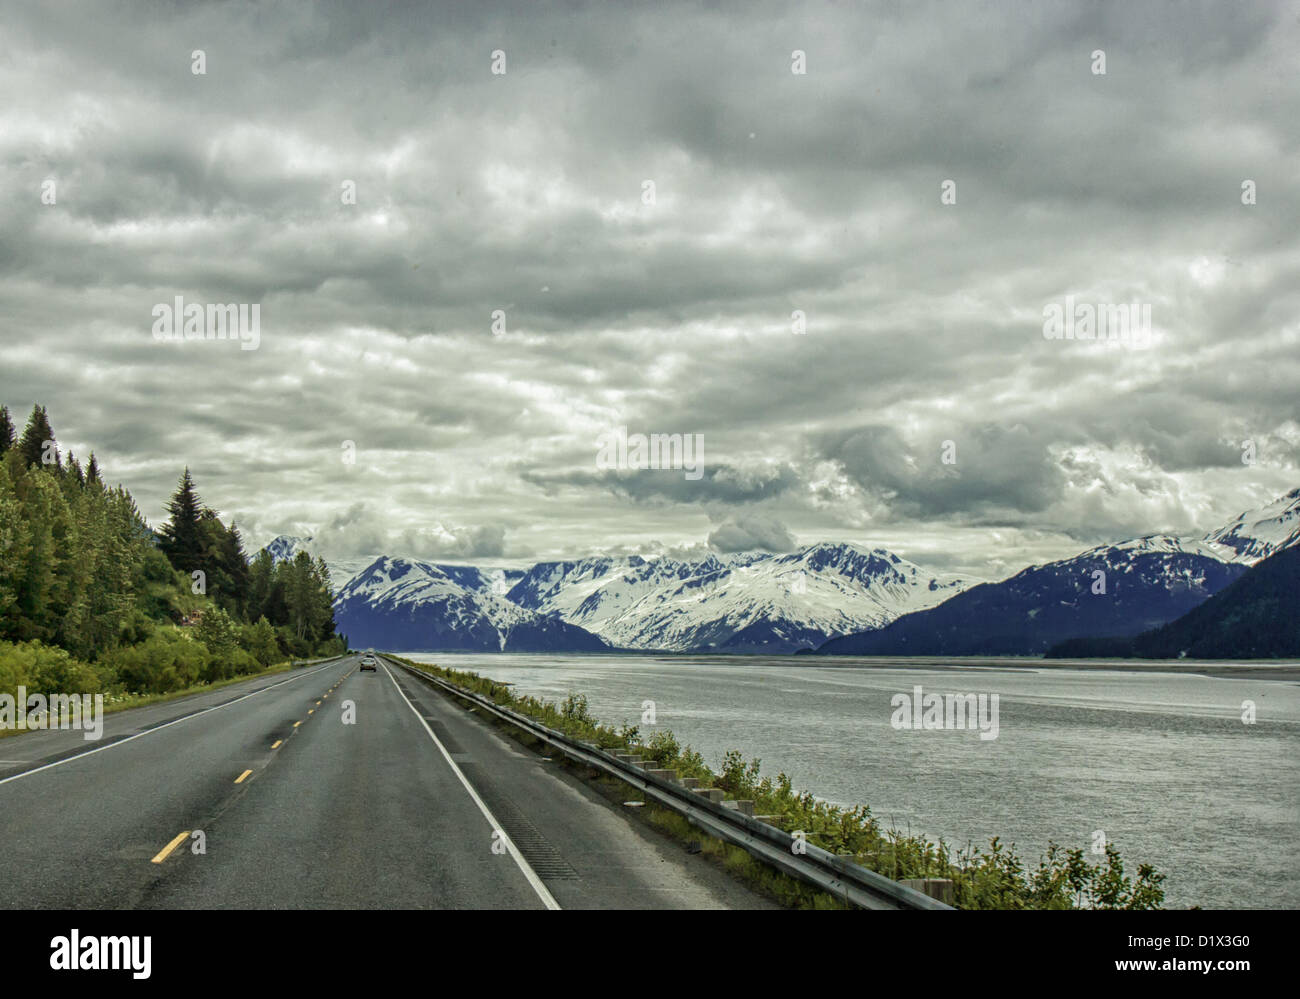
pixel 167 660
pixel 45 669
pixel 259 641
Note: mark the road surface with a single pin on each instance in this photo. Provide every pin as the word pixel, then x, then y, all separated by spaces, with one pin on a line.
pixel 259 795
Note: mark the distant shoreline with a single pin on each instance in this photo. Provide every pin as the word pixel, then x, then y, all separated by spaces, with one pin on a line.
pixel 1287 671
pixel 1261 669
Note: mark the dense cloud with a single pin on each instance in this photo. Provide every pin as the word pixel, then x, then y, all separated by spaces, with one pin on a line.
pixel 752 533
pixel 504 289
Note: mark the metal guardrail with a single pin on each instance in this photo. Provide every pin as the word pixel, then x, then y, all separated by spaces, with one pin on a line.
pixel 833 874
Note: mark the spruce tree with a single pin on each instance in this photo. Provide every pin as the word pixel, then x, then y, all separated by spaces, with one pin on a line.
pixel 74 468
pixel 15 547
pixel 301 595
pixel 92 471
pixel 181 537
pixel 7 431
pixel 35 434
pixel 324 602
pixel 261 578
pixel 234 562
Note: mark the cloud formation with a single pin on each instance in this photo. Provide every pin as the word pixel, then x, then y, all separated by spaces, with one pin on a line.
pixel 752 533
pixel 504 288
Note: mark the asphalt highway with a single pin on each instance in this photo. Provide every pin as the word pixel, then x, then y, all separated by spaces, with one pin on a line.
pixel 324 787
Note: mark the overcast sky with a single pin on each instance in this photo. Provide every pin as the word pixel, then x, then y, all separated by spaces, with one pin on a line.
pixel 773 192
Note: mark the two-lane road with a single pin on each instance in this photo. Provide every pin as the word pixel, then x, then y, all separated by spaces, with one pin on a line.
pixel 322 788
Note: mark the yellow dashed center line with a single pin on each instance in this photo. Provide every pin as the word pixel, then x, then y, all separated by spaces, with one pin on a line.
pixel 296 724
pixel 242 777
pixel 166 850
pixel 311 711
pixel 276 744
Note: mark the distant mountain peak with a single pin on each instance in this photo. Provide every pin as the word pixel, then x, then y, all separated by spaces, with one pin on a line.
pixel 407 603
pixel 1143 582
pixel 1257 534
pixel 286 547
pixel 1159 544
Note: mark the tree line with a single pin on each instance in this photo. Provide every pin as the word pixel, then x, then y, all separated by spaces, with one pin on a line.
pixel 93 599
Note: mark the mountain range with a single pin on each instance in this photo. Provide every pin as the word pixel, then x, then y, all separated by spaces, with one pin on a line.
pixel 398 603
pixel 1109 590
pixel 831 598
pixel 1254 618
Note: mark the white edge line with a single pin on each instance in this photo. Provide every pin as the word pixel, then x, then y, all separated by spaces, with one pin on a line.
pixel 547 898
pixel 151 731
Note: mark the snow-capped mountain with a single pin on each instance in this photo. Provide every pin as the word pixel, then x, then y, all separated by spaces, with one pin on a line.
pixel 286 546
pixel 1159 544
pixel 1110 590
pixel 752 602
pixel 397 603
pixel 742 602
pixel 1256 534
pixel 1253 618
pixel 596 590
pixel 497 581
pixel 494 581
pixel 833 597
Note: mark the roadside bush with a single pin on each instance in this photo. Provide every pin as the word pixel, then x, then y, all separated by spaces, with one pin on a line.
pixel 46 669
pixel 167 660
pixel 663 747
pixel 258 640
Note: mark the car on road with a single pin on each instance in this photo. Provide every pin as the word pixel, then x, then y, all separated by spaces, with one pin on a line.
pixel 368 663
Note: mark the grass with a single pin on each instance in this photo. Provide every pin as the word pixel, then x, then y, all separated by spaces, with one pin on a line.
pixel 788 891
pixel 992 877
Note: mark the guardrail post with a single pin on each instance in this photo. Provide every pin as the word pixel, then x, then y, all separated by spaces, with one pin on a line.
pixel 940 888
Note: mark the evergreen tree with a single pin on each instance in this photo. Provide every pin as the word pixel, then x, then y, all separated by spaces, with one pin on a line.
pixel 181 538
pixel 15 548
pixel 261 643
pixel 42 583
pixel 276 608
pixel 222 560
pixel 6 430
pixel 35 435
pixel 300 596
pixel 74 467
pixel 235 563
pixel 323 609
pixel 118 553
pixel 261 580
pixel 217 632
pixel 81 570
